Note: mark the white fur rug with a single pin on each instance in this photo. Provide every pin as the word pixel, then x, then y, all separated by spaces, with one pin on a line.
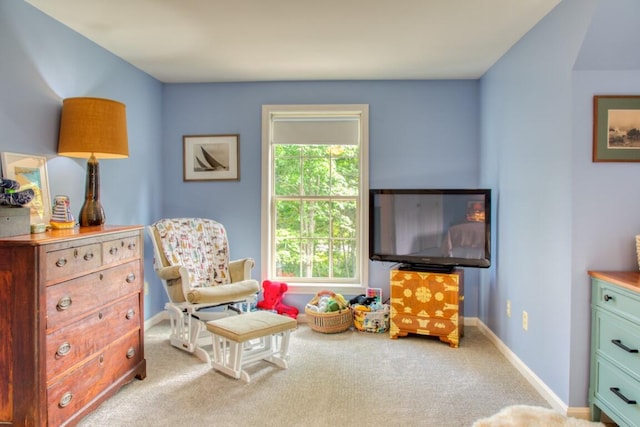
pixel 532 416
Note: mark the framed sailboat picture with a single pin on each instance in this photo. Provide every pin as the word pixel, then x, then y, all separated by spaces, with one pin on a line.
pixel 211 157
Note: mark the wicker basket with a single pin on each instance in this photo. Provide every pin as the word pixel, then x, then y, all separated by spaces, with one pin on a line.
pixel 329 323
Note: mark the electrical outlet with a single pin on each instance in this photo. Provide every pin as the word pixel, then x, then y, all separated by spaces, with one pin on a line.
pixel 146 288
pixel 508 308
pixel 525 321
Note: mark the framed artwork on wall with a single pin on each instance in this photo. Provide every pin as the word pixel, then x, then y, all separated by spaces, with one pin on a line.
pixel 31 173
pixel 211 157
pixel 616 128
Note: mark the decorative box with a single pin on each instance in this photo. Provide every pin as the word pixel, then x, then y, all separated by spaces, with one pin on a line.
pixel 14 221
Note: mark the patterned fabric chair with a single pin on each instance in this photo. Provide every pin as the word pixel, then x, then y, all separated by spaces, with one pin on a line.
pixel 191 258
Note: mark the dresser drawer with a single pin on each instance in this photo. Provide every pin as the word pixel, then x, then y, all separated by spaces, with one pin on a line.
pixel 68 300
pixel 73 261
pixel 619 340
pixel 69 346
pixel 86 383
pixel 611 380
pixel 425 325
pixel 616 299
pixel 127 247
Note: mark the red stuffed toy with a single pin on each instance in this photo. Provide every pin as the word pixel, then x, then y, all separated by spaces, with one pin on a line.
pixel 272 294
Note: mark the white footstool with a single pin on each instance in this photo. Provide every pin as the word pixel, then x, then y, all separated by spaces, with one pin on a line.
pixel 245 338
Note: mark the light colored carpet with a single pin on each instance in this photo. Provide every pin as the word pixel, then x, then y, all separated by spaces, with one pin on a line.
pixel 532 416
pixel 347 379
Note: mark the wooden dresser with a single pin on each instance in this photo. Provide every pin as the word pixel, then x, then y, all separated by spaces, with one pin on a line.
pixel 427 303
pixel 71 322
pixel 614 386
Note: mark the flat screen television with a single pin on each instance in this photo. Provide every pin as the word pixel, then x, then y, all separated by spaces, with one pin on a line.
pixel 430 229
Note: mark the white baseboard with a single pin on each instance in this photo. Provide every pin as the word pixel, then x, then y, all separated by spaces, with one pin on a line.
pixel 157 318
pixel 548 394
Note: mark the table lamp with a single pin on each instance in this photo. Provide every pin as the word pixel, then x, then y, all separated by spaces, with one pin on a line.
pixel 93 128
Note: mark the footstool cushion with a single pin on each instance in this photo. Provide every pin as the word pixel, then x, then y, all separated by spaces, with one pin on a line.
pixel 254 324
pixel 234 341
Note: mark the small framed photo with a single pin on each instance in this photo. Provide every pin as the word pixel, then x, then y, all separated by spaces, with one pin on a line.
pixel 31 173
pixel 616 128
pixel 211 157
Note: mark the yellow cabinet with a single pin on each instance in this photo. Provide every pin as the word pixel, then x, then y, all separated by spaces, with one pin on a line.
pixel 427 303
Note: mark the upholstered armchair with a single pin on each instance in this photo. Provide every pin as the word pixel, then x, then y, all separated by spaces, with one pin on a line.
pixel 191 258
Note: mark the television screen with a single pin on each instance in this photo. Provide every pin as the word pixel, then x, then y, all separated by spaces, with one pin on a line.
pixel 430 229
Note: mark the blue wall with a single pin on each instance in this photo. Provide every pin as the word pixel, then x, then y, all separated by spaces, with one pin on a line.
pixel 44 62
pixel 422 134
pixel 559 214
pixel 523 130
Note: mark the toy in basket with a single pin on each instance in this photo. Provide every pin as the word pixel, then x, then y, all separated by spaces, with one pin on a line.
pixel 371 318
pixel 328 313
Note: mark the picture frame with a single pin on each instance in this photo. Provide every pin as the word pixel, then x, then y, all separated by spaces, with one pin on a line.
pixel 211 157
pixel 30 172
pixel 616 128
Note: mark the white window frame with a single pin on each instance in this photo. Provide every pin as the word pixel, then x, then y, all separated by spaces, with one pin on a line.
pixel 268 207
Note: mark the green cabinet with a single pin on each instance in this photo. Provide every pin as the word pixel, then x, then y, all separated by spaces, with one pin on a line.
pixel 614 386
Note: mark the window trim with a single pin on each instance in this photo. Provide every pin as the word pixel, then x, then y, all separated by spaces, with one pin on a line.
pixel 312 287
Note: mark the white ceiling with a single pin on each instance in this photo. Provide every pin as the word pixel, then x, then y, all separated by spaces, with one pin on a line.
pixel 178 41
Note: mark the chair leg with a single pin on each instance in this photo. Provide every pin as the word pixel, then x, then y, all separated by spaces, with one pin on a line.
pixel 186 331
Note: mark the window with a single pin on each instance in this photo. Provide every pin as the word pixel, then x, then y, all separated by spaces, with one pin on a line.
pixel 314 206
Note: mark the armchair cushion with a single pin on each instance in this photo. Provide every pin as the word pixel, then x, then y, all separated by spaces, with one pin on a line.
pixel 223 294
pixel 200 246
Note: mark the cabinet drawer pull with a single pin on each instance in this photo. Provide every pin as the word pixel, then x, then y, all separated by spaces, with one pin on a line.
pixel 624 347
pixel 607 297
pixel 63 350
pixel 63 303
pixel 61 262
pixel 113 250
pixel 88 256
pixel 131 246
pixel 131 278
pixel 131 352
pixel 65 399
pixel 130 314
pixel 616 391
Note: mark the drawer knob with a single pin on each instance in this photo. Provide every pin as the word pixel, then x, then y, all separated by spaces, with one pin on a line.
pixel 88 256
pixel 131 278
pixel 131 352
pixel 61 262
pixel 65 399
pixel 63 350
pixel 131 246
pixel 624 347
pixel 607 297
pixel 63 303
pixel 113 250
pixel 130 314
pixel 626 400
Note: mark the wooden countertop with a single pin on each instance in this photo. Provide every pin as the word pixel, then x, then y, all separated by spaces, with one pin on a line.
pixel 626 279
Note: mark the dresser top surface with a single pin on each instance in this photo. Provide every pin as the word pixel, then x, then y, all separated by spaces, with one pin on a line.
pixel 52 236
pixel 626 279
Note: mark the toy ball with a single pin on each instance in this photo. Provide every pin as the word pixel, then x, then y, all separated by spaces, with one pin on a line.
pixel 333 305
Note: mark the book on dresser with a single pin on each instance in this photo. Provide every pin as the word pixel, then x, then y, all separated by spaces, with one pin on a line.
pixel 71 322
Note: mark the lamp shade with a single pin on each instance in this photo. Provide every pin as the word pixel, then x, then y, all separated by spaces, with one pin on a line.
pixel 93 126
